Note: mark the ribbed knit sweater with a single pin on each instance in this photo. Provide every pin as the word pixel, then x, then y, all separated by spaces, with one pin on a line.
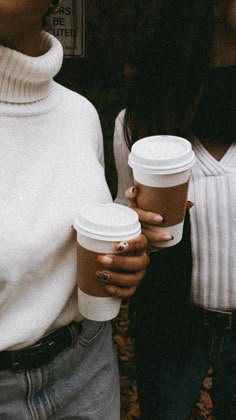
pixel 213 232
pixel 51 154
pixel 213 221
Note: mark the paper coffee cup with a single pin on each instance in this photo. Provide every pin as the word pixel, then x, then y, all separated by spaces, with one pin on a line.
pixel 99 227
pixel 161 168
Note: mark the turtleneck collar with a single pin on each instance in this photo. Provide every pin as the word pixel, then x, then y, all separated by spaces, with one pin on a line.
pixel 25 79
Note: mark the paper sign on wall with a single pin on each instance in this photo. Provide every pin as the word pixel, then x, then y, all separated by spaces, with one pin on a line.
pixel 67 24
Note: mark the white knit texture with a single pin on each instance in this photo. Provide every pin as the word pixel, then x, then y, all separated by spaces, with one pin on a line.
pixel 213 233
pixel 51 154
pixel 24 79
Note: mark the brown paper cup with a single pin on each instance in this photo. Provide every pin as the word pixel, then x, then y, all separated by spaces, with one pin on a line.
pixel 162 168
pixel 99 227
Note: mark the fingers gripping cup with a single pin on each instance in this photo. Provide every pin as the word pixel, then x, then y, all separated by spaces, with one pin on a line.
pixel 161 168
pixel 99 227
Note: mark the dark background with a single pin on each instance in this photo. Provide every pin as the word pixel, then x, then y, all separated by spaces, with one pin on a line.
pixel 114 34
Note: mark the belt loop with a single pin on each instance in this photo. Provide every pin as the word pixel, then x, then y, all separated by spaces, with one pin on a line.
pixel 74 330
pixel 230 321
pixel 205 320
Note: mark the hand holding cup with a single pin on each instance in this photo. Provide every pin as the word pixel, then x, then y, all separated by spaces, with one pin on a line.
pixel 99 227
pixel 147 219
pixel 122 272
pixel 161 168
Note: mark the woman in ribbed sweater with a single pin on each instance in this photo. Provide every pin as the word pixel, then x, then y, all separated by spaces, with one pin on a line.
pixel 184 311
pixel 53 363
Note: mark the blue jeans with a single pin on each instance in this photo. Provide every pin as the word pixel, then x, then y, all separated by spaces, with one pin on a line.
pixel 172 360
pixel 81 383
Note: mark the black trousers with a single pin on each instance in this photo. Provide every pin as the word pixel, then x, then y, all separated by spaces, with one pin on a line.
pixel 172 359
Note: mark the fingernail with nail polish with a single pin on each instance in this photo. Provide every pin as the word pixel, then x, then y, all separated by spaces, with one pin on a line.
pixel 106 260
pixel 104 276
pixel 168 237
pixel 111 289
pixel 190 204
pixel 158 218
pixel 123 246
pixel 132 190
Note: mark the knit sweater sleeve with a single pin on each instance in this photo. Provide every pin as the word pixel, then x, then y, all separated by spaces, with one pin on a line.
pixel 121 153
pixel 100 146
pixel 91 118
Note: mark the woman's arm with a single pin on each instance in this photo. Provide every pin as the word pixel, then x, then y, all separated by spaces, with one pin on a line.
pixel 121 153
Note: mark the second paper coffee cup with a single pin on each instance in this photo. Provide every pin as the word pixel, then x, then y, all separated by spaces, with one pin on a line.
pixel 161 168
pixel 99 227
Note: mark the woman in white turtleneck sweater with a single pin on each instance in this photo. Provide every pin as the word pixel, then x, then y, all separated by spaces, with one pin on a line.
pixel 53 364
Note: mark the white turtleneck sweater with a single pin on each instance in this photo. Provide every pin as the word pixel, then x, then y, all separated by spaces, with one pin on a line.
pixel 51 161
pixel 213 220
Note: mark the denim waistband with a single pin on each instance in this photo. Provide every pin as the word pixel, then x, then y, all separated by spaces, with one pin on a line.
pixel 219 320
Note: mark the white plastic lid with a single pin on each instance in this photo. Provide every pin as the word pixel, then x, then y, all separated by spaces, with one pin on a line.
pixel 162 155
pixel 110 222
